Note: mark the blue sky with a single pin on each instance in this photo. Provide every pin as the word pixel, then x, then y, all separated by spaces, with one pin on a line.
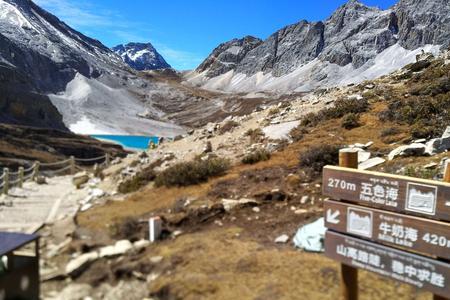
pixel 186 31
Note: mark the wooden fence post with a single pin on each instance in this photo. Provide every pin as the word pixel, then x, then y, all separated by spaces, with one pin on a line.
pixel 107 159
pixel 21 174
pixel 72 165
pixel 36 170
pixel 348 158
pixel 446 179
pixel 5 180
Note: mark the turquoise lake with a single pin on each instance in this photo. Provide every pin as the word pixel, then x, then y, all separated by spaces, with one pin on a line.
pixel 133 142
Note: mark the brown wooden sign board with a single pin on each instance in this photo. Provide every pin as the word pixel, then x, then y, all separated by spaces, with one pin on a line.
pixel 401 194
pixel 407 232
pixel 419 271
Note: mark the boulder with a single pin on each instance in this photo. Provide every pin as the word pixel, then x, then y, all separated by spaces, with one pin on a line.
pixel 438 145
pixel 370 163
pixel 80 178
pixel 77 265
pixel 408 150
pixel 282 239
pixel 120 248
pixel 229 204
pixel 141 244
pixel 41 180
pixel 446 133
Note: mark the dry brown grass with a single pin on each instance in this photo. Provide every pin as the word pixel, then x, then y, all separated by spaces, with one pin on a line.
pixel 220 264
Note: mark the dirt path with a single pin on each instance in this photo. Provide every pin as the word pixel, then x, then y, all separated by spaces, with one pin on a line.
pixel 26 209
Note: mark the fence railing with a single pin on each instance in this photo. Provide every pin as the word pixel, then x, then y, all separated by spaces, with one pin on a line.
pixel 70 166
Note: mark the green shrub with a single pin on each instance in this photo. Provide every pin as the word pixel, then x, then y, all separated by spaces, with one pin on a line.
pixel 421 173
pixel 127 228
pixel 273 111
pixel 256 135
pixel 315 158
pixel 350 121
pixel 138 181
pixel 389 132
pixel 418 66
pixel 255 157
pixel 193 172
pixel 297 133
pixel 341 108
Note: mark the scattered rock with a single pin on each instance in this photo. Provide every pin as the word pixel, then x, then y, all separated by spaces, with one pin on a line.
pixel 436 146
pixel 77 265
pixel 229 204
pixel 156 259
pixel 41 180
pixel 408 150
pixel 120 248
pixel 370 163
pixel 141 244
pixel 256 209
pixel 80 178
pixel 282 239
pixel 432 165
pixel 304 199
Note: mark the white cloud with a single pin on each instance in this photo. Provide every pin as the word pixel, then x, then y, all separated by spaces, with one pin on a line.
pixel 84 15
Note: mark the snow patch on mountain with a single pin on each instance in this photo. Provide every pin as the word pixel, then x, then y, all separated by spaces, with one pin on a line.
pixel 312 75
pixel 141 57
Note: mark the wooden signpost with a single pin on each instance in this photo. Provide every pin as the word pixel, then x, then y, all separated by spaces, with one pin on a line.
pixel 392 225
pixel 416 270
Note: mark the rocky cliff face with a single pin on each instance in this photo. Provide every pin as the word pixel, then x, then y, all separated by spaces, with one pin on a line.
pixel 53 76
pixel 141 57
pixel 228 56
pixel 353 36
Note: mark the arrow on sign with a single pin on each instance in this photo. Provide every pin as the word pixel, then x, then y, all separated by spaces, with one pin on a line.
pixel 333 217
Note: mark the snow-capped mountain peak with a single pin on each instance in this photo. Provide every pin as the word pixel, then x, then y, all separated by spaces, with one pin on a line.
pixel 141 56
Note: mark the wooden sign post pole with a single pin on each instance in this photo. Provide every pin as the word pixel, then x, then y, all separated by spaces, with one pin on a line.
pixel 348 158
pixel 446 179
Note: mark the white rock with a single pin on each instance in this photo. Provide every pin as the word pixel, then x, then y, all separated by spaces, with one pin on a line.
pixel 141 244
pixel 86 207
pixel 446 133
pixel 282 239
pixel 370 163
pixel 431 165
pixel 97 193
pixel 304 199
pixel 256 209
pixel 156 259
pixel 80 263
pixel 408 150
pixel 229 204
pixel 368 145
pixel 436 146
pixel 120 248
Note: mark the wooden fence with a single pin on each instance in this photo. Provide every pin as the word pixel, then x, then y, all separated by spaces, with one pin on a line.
pixel 10 179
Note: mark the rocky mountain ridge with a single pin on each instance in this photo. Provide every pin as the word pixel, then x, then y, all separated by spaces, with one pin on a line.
pixel 141 56
pixel 352 37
